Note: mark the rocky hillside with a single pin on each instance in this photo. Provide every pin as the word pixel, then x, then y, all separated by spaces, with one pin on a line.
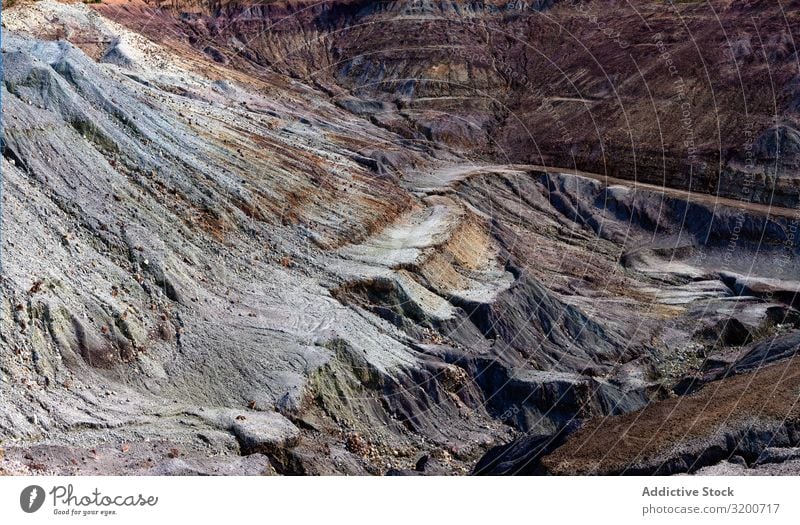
pixel 350 238
pixel 691 95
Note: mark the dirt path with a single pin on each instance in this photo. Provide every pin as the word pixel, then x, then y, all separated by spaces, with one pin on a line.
pixel 710 200
pixel 446 177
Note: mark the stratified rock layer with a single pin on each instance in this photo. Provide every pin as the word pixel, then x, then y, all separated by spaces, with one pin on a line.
pixel 216 261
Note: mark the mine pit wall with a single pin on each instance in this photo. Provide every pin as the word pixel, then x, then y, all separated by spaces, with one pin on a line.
pixel 772 182
pixel 749 443
pixel 584 396
pixel 705 224
pixel 507 86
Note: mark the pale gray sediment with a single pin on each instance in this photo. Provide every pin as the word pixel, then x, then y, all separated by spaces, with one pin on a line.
pixel 212 270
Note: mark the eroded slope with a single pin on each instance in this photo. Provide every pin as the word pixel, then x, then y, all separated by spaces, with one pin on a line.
pixel 213 266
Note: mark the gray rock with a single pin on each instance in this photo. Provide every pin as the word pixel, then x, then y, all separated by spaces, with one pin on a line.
pixel 264 432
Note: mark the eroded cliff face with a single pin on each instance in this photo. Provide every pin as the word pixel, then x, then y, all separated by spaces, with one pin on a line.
pixel 258 238
pixel 699 96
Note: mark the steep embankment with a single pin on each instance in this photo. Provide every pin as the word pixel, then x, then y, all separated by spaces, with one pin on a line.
pixel 692 95
pixel 220 257
pixel 208 262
